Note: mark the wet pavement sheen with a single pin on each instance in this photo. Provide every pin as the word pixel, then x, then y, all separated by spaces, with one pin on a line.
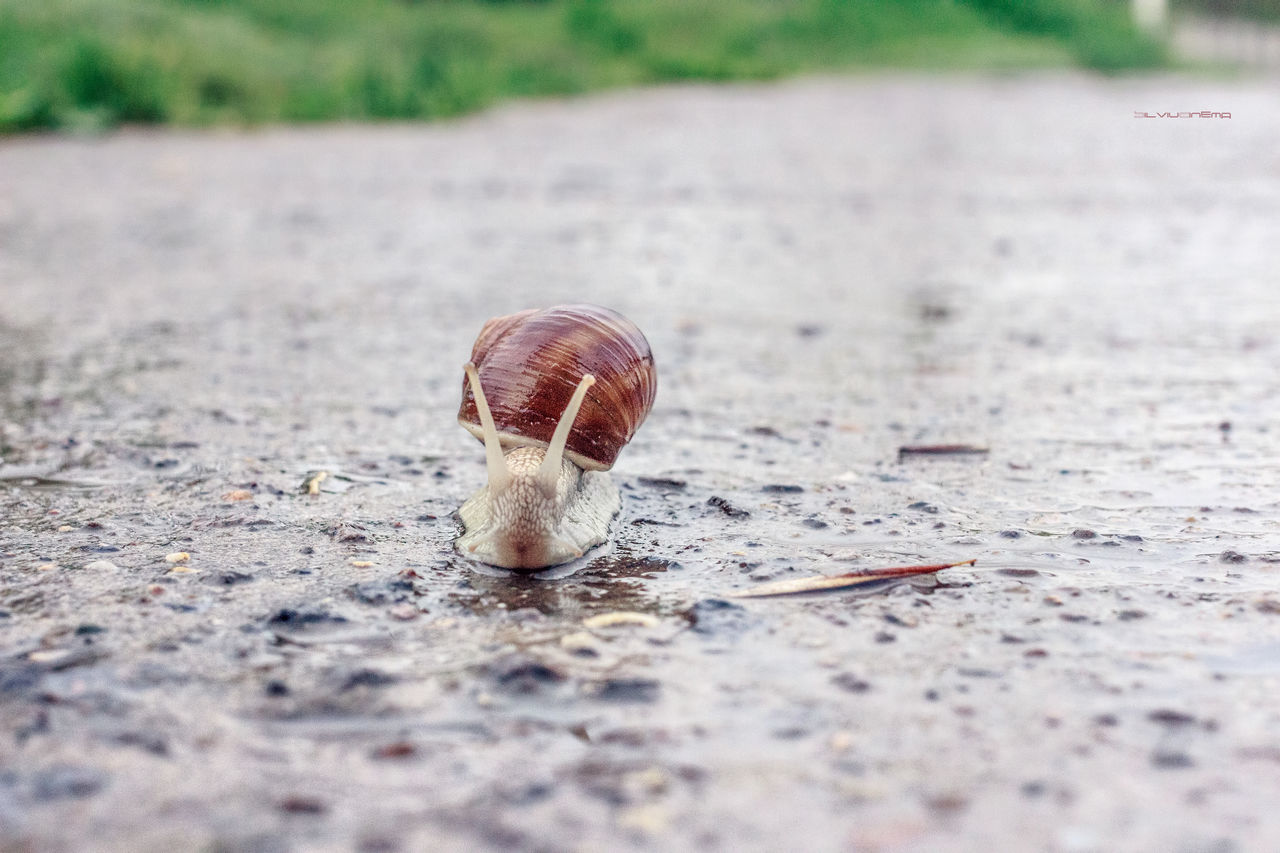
pixel 194 325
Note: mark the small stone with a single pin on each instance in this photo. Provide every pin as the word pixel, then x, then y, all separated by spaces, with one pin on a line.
pixel 403 611
pixel 398 749
pixel 524 675
pixel 362 564
pixel 49 655
pixel 349 532
pixel 649 781
pixel 727 508
pixel 229 578
pixel 302 805
pixel 624 689
pixel 1169 717
pixel 663 483
pixel 177 557
pixel 183 570
pixel 579 643
pixel 311 485
pixel 65 528
pixel 48 567
pixel 1172 760
pixel 63 783
pixel 1082 533
pixel 102 566
pixel 850 682
pixel 1232 557
pixel 648 819
pixel 238 495
pixel 367 678
pixel 620 617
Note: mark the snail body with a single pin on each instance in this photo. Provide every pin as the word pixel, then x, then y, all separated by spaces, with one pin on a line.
pixel 554 394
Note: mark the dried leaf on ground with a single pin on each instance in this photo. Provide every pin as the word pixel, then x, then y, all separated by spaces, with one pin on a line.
pixel 823 583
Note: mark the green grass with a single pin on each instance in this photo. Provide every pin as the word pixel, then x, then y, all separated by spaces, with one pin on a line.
pixel 85 64
pixel 1266 11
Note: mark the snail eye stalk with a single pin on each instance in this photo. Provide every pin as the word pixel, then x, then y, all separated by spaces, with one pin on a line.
pixel 499 475
pixel 549 470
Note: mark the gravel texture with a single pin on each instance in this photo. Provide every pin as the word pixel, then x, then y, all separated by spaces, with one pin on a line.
pixel 195 325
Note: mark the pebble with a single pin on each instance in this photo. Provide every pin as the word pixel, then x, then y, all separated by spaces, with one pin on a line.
pixel 49 655
pixel 580 643
pixel 1169 717
pixel 524 675
pixel 61 783
pixel 1172 760
pixel 620 617
pixel 297 618
pixel 849 682
pixel 238 495
pixel 398 749
pixel 649 819
pixel 666 483
pixel 228 578
pixel 302 805
pixel 367 678
pixel 177 557
pixel 624 689
pixel 403 612
pixel 715 616
pixel 727 508
pixel 102 566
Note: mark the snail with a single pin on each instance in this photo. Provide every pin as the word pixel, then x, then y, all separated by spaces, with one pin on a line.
pixel 554 394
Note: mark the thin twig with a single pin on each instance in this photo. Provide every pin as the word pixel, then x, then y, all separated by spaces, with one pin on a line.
pixel 821 583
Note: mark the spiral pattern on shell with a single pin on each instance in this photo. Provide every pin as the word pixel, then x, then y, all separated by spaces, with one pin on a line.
pixel 530 363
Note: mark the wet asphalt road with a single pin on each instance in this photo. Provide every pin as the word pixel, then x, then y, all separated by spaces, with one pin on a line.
pixel 195 324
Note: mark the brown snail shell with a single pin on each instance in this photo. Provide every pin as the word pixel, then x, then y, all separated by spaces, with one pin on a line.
pixel 531 362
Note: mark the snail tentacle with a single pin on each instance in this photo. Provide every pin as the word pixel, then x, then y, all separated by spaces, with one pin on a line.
pixel 549 471
pixel 499 474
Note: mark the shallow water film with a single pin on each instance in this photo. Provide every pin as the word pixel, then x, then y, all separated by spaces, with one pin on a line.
pixel 231 615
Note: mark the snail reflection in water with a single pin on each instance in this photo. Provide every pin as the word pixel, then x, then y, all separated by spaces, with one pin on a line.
pixel 554 394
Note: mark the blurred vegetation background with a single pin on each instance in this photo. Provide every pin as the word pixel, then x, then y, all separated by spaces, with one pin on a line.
pixel 88 64
pixel 1257 10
